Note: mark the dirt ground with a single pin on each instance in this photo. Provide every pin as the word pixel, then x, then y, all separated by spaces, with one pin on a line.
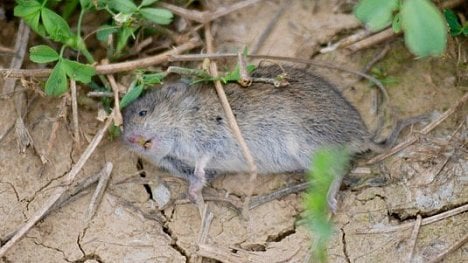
pixel 427 178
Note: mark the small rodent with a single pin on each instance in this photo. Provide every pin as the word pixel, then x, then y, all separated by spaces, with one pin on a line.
pixel 182 127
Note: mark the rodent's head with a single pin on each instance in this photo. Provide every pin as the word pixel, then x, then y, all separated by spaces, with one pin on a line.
pixel 152 123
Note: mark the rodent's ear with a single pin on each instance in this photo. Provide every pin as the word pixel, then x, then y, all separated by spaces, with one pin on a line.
pixel 175 88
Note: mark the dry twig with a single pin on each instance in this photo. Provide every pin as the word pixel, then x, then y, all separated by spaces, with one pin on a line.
pixel 7 50
pixel 207 16
pixel 118 120
pixel 61 113
pixel 21 43
pixel 413 238
pixel 269 28
pixel 232 122
pixel 110 68
pixel 104 177
pixel 245 79
pixel 207 218
pixel 74 103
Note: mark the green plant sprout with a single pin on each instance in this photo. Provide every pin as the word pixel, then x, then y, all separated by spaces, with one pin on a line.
pixel 327 164
pixel 423 25
pixel 48 24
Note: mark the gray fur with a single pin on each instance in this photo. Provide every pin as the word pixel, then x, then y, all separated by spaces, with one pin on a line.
pixel 282 126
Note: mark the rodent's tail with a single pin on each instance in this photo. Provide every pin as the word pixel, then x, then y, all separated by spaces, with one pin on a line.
pixel 400 125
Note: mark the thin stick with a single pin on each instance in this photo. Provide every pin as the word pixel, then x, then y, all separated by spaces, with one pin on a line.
pixel 451 249
pixel 61 113
pixel 269 28
pixel 205 228
pixel 207 16
pixel 99 192
pixel 260 200
pixel 245 79
pixel 372 40
pixel 110 68
pixel 100 94
pixel 21 43
pixel 38 215
pixel 424 131
pixel 376 59
pixel 232 122
pixel 359 35
pixel 414 237
pixel 118 120
pixel 74 104
pixel 425 221
pixel 7 50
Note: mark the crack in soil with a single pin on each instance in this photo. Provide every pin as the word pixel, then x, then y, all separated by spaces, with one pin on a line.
pixel 14 189
pixel 165 227
pixel 139 166
pixel 78 241
pixel 343 240
pixel 174 244
pixel 52 248
pixel 29 201
pixel 379 196
pixel 85 258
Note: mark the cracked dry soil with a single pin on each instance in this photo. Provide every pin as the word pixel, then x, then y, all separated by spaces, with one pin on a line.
pixel 426 178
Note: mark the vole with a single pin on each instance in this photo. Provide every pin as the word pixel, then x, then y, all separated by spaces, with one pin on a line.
pixel 182 128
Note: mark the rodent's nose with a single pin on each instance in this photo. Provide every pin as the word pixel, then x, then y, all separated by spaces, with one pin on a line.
pixel 135 139
pixel 131 139
pixel 139 140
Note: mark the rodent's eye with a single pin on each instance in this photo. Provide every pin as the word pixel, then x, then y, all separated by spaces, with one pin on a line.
pixel 142 113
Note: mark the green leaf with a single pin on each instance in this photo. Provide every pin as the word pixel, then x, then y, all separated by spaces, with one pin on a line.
pixel 157 15
pixel 133 93
pixel 147 2
pixel 452 20
pixel 124 34
pixel 105 31
pixel 123 6
pixel 154 78
pixel 56 26
pixel 27 8
pixel 235 74
pixel 42 54
pixel 57 83
pixel 376 14
pixel 396 23
pixel 30 11
pixel 465 30
pixel 424 27
pixel 77 71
